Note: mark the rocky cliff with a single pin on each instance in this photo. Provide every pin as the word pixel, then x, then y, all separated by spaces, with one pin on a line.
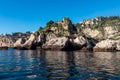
pixel 98 34
pixel 12 40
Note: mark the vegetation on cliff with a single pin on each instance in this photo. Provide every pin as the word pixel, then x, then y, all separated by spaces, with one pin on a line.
pixel 63 34
pixel 96 26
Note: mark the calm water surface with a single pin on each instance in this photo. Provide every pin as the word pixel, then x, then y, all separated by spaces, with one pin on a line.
pixel 58 65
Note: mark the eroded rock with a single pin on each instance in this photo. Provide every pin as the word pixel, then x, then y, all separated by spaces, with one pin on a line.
pixel 19 42
pixel 6 42
pixel 105 45
pixel 56 43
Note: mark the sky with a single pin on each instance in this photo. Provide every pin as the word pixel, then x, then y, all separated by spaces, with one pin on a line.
pixel 29 15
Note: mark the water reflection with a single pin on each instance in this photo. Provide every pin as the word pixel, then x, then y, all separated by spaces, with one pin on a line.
pixel 59 65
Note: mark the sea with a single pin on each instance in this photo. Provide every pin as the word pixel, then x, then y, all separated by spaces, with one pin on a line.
pixel 58 65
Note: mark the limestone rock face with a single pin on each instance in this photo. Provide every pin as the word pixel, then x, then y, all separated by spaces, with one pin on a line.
pixel 30 40
pixel 19 42
pixel 6 42
pixel 93 33
pixel 80 40
pixel 101 32
pixel 12 40
pixel 39 38
pixel 50 36
pixel 90 22
pixel 56 43
pixel 110 31
pixel 64 43
pixel 35 40
pixel 106 44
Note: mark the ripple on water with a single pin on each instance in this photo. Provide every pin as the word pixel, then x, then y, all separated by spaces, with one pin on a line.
pixel 58 65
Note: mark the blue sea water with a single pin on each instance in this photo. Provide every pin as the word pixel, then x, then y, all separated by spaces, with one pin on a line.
pixel 58 65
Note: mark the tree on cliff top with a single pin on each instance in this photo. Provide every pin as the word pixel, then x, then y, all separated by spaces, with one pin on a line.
pixel 49 24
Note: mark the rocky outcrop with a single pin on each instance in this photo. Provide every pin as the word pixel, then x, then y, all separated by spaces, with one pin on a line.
pixel 50 36
pixel 5 42
pixel 67 25
pixel 65 43
pixel 19 42
pixel 30 40
pixel 15 36
pixel 56 44
pixel 90 22
pixel 35 40
pixel 93 33
pixel 12 40
pixel 80 40
pixel 99 34
pixel 109 31
pixel 105 45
